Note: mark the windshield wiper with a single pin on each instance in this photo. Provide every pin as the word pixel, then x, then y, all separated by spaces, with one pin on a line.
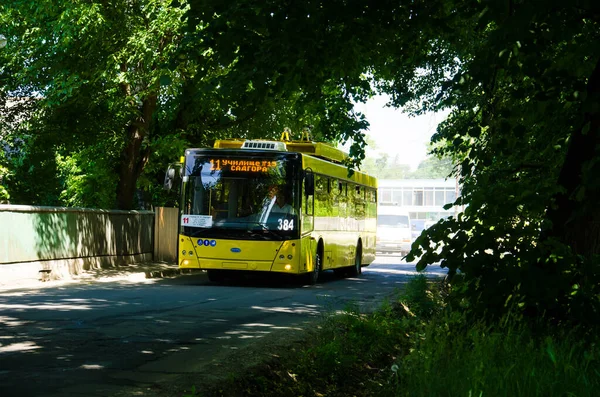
pixel 265 233
pixel 262 225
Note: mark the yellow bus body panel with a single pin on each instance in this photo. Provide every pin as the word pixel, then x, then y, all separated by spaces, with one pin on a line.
pixel 340 235
pixel 246 255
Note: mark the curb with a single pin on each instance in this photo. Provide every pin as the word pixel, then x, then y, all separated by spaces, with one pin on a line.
pixel 133 272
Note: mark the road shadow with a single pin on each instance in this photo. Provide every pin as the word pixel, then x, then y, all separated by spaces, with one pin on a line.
pixel 92 331
pixel 253 280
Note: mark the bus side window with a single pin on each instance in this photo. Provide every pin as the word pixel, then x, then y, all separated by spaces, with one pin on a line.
pixel 309 199
pixel 309 204
pixel 360 202
pixel 323 198
pixel 352 198
pixel 320 182
pixel 373 202
pixel 343 200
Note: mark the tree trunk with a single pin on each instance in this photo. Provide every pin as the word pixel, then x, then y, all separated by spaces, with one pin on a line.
pixel 575 216
pixel 134 156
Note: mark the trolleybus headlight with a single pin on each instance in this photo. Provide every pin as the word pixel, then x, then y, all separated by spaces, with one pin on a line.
pixel 290 256
pixel 288 267
pixel 183 252
pixel 186 262
pixel 281 256
pixel 190 253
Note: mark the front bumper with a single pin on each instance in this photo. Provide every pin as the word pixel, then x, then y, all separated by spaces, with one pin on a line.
pixel 386 246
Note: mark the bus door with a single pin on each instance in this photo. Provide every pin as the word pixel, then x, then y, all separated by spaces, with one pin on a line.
pixel 308 202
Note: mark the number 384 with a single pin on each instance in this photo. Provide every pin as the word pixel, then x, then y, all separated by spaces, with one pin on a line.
pixel 286 224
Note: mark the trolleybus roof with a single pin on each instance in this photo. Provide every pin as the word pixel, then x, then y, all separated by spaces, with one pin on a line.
pixel 317 149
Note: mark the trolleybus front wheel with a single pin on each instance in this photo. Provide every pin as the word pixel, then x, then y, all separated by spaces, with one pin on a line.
pixel 313 277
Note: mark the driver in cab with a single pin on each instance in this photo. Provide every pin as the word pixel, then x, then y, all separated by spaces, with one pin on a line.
pixel 279 202
pixel 275 203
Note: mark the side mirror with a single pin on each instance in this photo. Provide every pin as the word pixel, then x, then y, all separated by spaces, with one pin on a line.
pixel 309 183
pixel 170 175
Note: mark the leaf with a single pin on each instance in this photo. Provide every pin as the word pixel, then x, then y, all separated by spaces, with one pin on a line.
pixel 586 128
pixel 580 194
pixel 165 80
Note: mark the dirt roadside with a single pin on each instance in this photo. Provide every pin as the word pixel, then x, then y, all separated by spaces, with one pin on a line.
pixel 225 365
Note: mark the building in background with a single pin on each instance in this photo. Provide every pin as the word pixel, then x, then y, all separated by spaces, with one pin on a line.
pixel 423 199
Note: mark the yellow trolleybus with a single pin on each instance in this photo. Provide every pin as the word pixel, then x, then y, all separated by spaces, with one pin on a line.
pixel 274 206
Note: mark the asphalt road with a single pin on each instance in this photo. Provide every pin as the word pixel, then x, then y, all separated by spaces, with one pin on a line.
pixel 140 337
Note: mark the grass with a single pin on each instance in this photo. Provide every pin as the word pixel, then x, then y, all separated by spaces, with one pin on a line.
pixel 415 346
pixel 484 360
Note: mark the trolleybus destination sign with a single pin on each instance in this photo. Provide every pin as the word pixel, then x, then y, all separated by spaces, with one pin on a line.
pixel 242 165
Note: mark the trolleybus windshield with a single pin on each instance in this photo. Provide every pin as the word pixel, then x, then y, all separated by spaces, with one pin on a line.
pixel 252 196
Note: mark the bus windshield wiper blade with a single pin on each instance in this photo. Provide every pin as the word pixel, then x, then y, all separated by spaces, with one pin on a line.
pixel 262 225
pixel 265 233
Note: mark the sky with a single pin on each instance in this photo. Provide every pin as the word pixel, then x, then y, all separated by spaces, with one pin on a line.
pixel 395 132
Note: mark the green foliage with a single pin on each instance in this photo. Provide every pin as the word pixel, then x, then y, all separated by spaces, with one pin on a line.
pixel 32 178
pixel 281 62
pixel 518 97
pixel 148 74
pixel 4 196
pixel 384 168
pixel 347 345
pixel 337 358
pixel 472 358
pixel 430 168
pixel 82 174
pixel 419 299
pixel 94 74
pixel 165 150
pixel 420 336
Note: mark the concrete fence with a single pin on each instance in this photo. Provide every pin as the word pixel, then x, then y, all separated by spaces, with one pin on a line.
pixel 53 242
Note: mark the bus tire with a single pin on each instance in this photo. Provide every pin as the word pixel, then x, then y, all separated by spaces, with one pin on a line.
pixel 356 270
pixel 216 276
pixel 313 277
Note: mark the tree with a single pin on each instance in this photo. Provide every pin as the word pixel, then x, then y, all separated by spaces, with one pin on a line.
pixel 116 81
pixel 431 168
pixel 382 169
pixel 524 130
pixel 95 70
